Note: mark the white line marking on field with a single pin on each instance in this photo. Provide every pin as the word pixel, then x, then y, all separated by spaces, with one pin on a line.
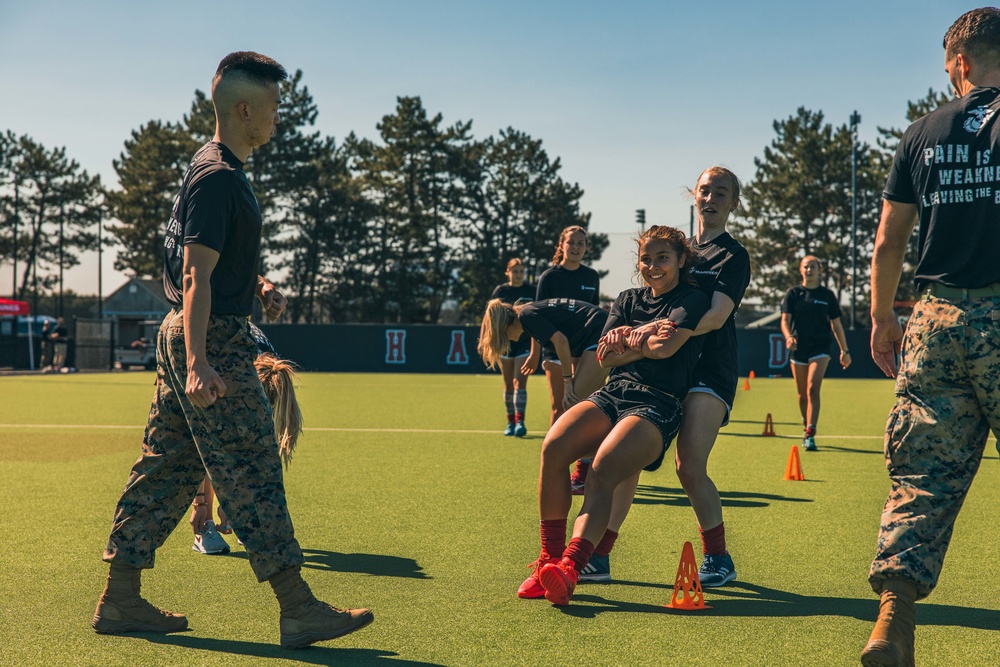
pixel 333 429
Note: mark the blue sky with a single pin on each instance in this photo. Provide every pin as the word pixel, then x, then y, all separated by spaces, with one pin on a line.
pixel 636 98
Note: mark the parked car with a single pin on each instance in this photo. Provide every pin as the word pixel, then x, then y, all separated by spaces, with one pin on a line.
pixel 141 351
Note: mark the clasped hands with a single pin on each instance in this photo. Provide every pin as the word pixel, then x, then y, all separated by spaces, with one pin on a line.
pixel 620 339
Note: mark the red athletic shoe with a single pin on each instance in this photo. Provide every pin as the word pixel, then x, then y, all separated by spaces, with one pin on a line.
pixel 578 478
pixel 531 588
pixel 559 581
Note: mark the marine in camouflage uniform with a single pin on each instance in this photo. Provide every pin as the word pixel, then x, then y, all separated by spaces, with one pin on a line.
pixel 233 439
pixel 210 411
pixel 947 402
pixel 944 176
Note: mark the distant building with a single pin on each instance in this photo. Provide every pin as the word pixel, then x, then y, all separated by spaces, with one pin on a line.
pixel 138 299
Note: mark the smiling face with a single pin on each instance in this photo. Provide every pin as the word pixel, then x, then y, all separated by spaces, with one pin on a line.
pixel 574 245
pixel 659 265
pixel 714 200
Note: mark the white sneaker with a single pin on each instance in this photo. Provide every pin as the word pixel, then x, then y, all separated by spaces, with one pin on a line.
pixel 210 541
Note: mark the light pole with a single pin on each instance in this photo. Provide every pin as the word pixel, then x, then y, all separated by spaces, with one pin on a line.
pixel 640 218
pixel 855 120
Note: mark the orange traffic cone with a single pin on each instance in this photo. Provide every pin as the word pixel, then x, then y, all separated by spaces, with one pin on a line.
pixel 687 593
pixel 793 470
pixel 752 375
pixel 746 384
pixel 768 427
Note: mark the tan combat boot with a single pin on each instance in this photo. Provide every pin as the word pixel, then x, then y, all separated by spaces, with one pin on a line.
pixel 121 609
pixel 304 619
pixel 891 643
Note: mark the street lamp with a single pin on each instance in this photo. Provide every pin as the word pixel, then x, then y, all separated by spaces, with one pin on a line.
pixel 855 120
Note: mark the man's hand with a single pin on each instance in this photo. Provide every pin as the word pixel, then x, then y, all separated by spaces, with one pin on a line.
pixel 791 343
pixel 272 301
pixel 887 337
pixel 204 386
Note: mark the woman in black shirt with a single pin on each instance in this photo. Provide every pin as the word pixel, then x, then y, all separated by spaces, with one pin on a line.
pixel 626 425
pixel 809 313
pixel 515 380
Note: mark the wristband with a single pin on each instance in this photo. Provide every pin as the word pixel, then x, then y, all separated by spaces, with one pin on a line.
pixel 567 377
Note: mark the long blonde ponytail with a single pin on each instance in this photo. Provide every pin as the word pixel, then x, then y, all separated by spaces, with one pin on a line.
pixel 278 377
pixel 493 340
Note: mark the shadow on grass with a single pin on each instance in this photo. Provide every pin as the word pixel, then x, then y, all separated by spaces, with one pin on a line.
pixel 314 655
pixel 751 600
pixel 373 564
pixel 761 421
pixel 851 450
pixel 661 495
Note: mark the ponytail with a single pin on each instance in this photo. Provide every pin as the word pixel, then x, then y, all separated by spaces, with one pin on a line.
pixel 278 378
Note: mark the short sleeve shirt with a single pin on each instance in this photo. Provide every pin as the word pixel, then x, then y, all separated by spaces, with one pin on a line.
pixel 510 294
pixel 581 322
pixel 684 306
pixel 558 282
pixel 216 208
pixel 723 266
pixel 948 165
pixel 811 311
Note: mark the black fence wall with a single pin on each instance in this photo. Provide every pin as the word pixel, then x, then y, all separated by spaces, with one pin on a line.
pixel 363 348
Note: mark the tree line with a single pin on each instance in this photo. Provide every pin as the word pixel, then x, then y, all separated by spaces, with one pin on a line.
pixel 422 218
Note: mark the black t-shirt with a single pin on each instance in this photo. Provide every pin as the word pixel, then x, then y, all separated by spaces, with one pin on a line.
pixel 510 294
pixel 216 208
pixel 684 305
pixel 948 164
pixel 811 311
pixel 558 282
pixel 581 322
pixel 723 266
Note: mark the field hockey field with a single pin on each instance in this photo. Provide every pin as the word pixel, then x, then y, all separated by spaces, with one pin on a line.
pixel 407 499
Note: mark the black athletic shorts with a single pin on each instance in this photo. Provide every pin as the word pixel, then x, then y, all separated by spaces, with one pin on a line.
pixel 804 355
pixel 519 348
pixel 624 398
pixel 719 377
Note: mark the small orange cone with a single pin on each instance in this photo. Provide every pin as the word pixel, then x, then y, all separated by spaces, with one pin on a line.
pixel 752 375
pixel 793 470
pixel 769 427
pixel 687 593
pixel 746 384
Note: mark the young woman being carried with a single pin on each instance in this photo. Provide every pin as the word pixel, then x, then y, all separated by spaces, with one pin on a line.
pixel 627 424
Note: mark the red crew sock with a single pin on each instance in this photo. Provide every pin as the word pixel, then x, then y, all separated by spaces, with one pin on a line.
pixel 810 430
pixel 579 551
pixel 519 417
pixel 713 540
pixel 510 417
pixel 607 542
pixel 553 537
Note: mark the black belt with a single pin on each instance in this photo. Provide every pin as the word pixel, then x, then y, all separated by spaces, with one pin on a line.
pixel 944 292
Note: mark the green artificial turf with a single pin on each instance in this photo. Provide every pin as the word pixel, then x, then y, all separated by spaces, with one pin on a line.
pixel 407 499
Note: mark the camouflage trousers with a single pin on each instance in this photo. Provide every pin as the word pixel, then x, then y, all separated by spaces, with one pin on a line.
pixel 947 402
pixel 233 439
